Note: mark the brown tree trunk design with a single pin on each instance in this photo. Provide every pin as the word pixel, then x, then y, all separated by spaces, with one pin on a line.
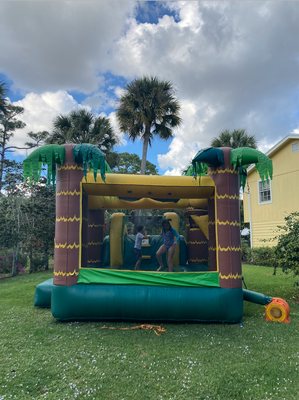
pixel 212 235
pixel 197 243
pixel 67 228
pixel 84 238
pixel 227 223
pixel 95 237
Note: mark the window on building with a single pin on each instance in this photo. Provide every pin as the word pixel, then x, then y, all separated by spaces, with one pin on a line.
pixel 265 195
pixel 295 147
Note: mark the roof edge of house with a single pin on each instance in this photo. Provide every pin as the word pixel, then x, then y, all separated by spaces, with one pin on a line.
pixel 275 148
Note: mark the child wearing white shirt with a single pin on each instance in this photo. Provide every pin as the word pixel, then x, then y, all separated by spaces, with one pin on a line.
pixel 137 247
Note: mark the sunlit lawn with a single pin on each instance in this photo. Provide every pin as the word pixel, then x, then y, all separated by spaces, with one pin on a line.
pixel 43 359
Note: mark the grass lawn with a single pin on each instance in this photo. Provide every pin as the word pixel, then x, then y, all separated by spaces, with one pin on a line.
pixel 43 359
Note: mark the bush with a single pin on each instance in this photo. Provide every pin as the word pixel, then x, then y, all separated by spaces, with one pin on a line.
pixel 245 249
pixel 287 249
pixel 262 256
pixel 38 262
pixel 6 259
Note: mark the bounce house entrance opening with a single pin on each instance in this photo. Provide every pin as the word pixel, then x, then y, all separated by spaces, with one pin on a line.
pixel 108 237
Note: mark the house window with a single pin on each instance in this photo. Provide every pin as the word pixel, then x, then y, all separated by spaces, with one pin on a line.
pixel 265 195
pixel 295 147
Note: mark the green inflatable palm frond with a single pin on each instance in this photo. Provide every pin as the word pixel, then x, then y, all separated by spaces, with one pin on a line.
pixel 107 168
pixel 91 157
pixel 49 155
pixel 211 157
pixel 242 157
pixel 202 169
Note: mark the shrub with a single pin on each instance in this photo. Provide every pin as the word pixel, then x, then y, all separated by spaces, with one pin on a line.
pixel 38 262
pixel 6 260
pixel 262 256
pixel 245 250
pixel 287 249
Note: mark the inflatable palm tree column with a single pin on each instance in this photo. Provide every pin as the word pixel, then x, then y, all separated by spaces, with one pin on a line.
pixel 72 163
pixel 67 227
pixel 227 167
pixel 227 222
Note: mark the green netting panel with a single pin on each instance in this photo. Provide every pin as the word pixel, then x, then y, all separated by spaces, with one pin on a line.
pixel 196 268
pixel 91 157
pixel 119 277
pixel 183 251
pixel 242 157
pixel 49 155
pixel 210 157
pixel 149 264
pixel 106 251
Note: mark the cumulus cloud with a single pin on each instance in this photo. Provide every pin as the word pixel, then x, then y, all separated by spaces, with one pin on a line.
pixel 40 111
pixel 120 135
pixel 234 64
pixel 187 140
pixel 50 45
pixel 100 100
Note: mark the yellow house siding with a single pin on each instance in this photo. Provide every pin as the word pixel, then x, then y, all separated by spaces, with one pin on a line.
pixel 264 233
pixel 285 196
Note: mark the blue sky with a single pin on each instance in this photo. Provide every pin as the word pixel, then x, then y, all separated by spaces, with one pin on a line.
pixel 232 65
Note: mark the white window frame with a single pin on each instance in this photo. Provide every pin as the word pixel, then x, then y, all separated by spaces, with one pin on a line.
pixel 258 193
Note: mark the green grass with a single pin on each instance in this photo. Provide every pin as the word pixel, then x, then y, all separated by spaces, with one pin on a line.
pixel 43 359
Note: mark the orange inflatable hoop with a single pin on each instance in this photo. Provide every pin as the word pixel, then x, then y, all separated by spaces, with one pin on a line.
pixel 278 310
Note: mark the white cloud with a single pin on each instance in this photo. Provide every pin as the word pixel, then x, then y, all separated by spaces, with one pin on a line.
pixel 40 111
pixel 119 91
pixel 237 65
pixel 120 136
pixel 100 100
pixel 233 65
pixel 188 138
pixel 266 144
pixel 50 45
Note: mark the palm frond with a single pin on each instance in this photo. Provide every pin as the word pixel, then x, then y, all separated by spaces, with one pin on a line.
pixel 49 155
pixel 90 157
pixel 242 157
pixel 210 157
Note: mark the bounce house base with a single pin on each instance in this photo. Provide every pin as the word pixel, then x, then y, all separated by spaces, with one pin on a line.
pixel 186 305
pixel 146 303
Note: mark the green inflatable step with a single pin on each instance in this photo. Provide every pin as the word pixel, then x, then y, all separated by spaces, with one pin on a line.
pixel 43 293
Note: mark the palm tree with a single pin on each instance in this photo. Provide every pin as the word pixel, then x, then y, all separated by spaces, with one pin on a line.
pixel 81 126
pixel 147 108
pixel 236 138
pixel 3 101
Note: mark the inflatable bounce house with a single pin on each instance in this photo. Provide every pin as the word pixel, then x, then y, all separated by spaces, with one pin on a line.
pixel 94 275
